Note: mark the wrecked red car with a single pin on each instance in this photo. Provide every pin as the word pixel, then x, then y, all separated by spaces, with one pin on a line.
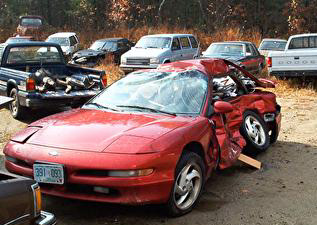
pixel 154 136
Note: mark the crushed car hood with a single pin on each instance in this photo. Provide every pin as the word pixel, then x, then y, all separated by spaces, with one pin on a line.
pixel 95 130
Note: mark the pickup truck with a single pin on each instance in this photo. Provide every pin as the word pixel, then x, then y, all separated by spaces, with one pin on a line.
pixel 299 58
pixel 36 75
pixel 20 202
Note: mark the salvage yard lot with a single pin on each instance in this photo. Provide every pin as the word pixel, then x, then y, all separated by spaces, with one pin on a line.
pixel 283 192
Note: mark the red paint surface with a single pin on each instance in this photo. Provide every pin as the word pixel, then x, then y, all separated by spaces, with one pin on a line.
pixel 99 140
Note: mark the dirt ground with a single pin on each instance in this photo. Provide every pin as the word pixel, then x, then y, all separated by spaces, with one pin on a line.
pixel 283 192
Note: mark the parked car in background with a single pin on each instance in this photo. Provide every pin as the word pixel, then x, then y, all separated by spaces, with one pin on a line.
pixel 69 42
pixel 154 136
pixel 111 48
pixel 272 45
pixel 36 75
pixel 153 50
pixel 30 25
pixel 242 53
pixel 298 60
pixel 19 39
pixel 21 202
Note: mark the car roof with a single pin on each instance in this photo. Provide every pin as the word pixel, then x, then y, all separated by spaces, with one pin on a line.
pixel 233 42
pixel 303 35
pixel 62 34
pixel 168 35
pixel 34 43
pixel 273 39
pixel 111 39
pixel 215 67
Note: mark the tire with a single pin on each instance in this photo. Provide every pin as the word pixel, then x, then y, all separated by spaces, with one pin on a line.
pixel 17 111
pixel 182 200
pixel 255 132
pixel 260 68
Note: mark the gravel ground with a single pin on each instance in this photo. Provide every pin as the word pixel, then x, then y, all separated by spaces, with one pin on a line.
pixel 283 192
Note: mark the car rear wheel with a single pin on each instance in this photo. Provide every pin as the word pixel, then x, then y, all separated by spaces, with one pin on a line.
pixel 15 108
pixel 255 132
pixel 188 184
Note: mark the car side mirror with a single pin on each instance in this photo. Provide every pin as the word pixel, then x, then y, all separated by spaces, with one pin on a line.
pixel 223 107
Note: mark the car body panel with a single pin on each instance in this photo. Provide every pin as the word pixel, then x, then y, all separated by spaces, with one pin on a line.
pixel 90 143
pixel 92 57
pixel 250 61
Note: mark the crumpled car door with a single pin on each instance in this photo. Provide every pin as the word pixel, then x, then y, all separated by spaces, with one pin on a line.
pixel 228 136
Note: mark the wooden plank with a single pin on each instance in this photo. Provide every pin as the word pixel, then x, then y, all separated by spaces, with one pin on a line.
pixel 248 160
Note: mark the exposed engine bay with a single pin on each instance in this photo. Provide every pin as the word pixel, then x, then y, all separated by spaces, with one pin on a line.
pixel 47 81
pixel 227 87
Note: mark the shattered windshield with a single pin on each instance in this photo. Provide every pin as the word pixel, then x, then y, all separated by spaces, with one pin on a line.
pixel 31 22
pixel 59 40
pixel 225 50
pixel 169 92
pixel 34 54
pixel 154 42
pixel 273 45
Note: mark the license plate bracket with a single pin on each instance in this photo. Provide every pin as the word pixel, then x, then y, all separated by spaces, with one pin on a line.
pixel 49 173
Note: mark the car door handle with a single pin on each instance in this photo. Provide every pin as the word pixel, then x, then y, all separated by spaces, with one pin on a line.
pixel 296 57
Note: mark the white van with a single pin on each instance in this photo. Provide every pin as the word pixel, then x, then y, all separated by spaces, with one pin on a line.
pixel 68 41
pixel 152 50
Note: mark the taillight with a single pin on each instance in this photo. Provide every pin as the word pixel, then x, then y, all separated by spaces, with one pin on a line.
pixel 269 61
pixel 104 80
pixel 30 84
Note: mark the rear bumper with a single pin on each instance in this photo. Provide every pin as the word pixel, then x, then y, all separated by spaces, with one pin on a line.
pixel 38 100
pixel 304 73
pixel 46 219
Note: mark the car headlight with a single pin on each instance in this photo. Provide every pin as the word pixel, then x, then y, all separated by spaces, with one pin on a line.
pixel 155 61
pixel 130 173
pixel 123 60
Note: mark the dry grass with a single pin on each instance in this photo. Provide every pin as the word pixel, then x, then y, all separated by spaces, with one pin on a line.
pixel 295 88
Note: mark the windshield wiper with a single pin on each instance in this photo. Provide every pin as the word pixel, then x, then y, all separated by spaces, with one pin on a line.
pixel 100 106
pixel 146 108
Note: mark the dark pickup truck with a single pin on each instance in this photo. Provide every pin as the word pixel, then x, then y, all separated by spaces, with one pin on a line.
pixel 20 197
pixel 20 202
pixel 36 75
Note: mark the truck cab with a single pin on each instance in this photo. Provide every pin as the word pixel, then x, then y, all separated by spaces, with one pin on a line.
pixel 297 60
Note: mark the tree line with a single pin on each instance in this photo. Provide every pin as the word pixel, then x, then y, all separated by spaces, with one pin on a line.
pixel 270 18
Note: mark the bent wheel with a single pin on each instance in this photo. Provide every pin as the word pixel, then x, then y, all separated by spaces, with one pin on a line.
pixel 188 184
pixel 255 132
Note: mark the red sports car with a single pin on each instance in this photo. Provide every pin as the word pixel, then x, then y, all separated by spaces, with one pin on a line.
pixel 154 136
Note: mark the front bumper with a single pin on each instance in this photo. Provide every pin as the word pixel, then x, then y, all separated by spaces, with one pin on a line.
pixel 132 68
pixel 154 188
pixel 45 218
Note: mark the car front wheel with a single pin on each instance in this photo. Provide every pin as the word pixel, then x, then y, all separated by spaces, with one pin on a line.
pixel 256 133
pixel 188 184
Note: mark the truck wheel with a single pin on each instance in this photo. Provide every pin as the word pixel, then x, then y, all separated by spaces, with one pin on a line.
pixel 255 132
pixel 188 184
pixel 15 108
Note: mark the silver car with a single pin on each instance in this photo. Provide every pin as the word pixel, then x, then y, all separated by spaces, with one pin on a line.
pixel 152 50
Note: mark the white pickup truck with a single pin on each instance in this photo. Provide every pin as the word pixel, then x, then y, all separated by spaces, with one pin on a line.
pixel 299 59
